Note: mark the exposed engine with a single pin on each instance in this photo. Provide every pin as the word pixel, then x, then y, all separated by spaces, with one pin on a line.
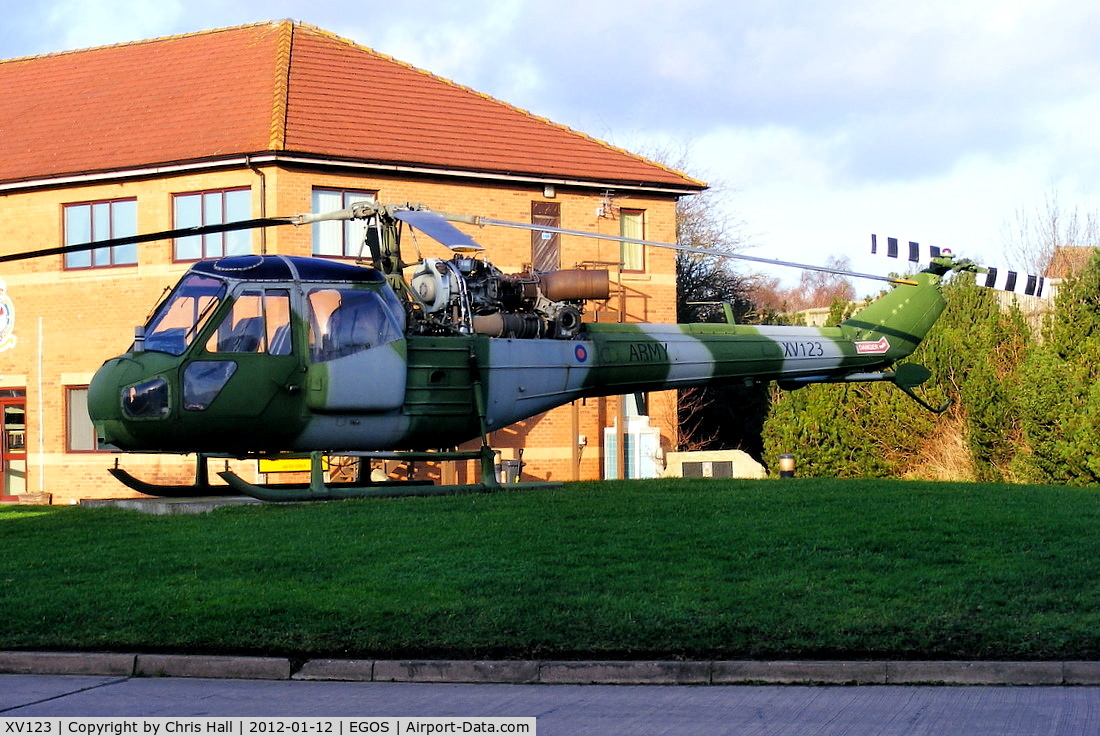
pixel 470 295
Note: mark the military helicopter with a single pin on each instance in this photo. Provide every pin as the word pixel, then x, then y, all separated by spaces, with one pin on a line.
pixel 272 355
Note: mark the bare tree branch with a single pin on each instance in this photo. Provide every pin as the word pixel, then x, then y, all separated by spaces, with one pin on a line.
pixel 1034 236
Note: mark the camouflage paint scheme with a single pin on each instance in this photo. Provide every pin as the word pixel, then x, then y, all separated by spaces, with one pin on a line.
pixel 419 392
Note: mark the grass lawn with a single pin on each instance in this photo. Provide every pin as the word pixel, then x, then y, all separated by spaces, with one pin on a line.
pixel 804 568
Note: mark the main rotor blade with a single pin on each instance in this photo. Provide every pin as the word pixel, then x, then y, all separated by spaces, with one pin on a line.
pixel 481 221
pixel 431 223
pixel 150 237
pixel 438 229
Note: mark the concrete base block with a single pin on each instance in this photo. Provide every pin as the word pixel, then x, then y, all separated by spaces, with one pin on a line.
pixel 167 506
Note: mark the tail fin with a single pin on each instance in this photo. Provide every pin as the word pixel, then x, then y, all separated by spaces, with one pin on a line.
pixel 902 317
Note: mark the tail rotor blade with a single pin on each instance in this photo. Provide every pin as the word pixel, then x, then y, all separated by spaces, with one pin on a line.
pixel 994 278
pixel 912 252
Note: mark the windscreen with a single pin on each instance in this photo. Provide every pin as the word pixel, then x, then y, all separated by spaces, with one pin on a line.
pixel 180 318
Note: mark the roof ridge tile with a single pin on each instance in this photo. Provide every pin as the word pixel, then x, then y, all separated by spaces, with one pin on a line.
pixel 279 102
pixel 144 41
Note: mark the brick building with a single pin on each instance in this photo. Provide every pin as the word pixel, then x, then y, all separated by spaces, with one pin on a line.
pixel 274 119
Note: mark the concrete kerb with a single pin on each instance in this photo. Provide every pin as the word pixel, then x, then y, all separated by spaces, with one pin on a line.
pixel 977 673
pixel 625 673
pixel 67 663
pixel 188 665
pixel 613 672
pixel 800 672
pixel 473 671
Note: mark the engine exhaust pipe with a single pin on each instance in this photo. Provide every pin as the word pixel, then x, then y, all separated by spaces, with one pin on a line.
pixel 575 284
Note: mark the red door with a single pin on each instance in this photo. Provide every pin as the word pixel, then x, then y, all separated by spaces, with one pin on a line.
pixel 13 442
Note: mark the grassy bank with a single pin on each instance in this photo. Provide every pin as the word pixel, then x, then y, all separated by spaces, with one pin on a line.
pixel 787 569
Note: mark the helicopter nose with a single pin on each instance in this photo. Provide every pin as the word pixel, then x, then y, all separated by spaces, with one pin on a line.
pixel 117 395
pixel 103 404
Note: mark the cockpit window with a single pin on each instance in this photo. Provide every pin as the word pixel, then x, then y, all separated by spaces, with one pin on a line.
pixel 178 319
pixel 259 322
pixel 347 321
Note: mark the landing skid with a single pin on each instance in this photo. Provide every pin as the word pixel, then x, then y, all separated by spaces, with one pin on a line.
pixel 318 490
pixel 201 486
pixel 335 491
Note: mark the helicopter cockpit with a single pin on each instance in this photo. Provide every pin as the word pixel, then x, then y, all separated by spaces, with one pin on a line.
pixel 243 339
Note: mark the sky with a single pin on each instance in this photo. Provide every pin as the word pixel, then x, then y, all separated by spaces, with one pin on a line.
pixel 816 123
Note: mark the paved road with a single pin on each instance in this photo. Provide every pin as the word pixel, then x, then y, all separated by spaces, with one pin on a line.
pixel 579 710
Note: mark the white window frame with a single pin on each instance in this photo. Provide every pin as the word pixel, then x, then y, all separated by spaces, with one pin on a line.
pixel 339 238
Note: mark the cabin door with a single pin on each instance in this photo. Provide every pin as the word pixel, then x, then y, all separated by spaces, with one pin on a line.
pixel 357 351
pixel 246 372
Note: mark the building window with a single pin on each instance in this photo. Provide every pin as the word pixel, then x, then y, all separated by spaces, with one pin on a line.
pixel 81 432
pixel 545 246
pixel 88 222
pixel 632 225
pixel 339 238
pixel 196 209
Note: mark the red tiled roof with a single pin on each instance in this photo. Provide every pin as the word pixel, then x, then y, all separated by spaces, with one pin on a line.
pixel 278 87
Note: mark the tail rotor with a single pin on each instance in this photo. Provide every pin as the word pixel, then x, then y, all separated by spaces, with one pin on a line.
pixel 988 276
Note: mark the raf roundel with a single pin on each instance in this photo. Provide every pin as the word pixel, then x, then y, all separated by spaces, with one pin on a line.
pixel 580 353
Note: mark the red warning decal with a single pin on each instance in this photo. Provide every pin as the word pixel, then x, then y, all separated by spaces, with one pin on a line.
pixel 878 347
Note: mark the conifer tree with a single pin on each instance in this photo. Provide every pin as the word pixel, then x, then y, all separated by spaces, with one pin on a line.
pixel 1057 391
pixel 873 430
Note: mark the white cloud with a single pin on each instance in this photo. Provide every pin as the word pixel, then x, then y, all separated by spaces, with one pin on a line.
pixel 84 23
pixel 461 41
pixel 765 154
pixel 810 218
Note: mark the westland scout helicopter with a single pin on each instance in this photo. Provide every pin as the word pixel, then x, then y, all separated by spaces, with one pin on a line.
pixel 270 355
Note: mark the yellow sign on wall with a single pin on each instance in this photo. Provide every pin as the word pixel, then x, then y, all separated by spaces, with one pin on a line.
pixel 289 464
